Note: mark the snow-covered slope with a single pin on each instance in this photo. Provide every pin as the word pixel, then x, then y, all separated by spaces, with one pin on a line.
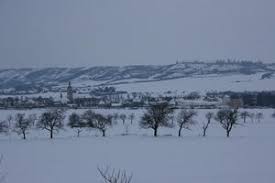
pixel 205 83
pixel 94 76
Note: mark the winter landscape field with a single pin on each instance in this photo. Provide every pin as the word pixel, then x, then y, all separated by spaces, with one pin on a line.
pixel 137 91
pixel 247 156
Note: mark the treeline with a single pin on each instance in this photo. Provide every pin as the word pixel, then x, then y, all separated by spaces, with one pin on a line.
pixel 156 116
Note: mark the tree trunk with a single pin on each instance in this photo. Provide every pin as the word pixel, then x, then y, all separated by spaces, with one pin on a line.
pixel 227 133
pixel 155 132
pixel 24 135
pixel 205 128
pixel 78 133
pixel 51 134
pixel 103 133
pixel 204 132
pixel 179 133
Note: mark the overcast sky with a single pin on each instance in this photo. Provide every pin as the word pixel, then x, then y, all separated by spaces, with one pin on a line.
pixel 43 33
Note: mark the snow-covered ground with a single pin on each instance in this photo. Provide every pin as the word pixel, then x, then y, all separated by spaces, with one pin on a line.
pixel 246 157
pixel 204 84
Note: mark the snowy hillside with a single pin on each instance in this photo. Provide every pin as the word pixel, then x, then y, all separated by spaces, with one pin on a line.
pixel 239 73
pixel 205 83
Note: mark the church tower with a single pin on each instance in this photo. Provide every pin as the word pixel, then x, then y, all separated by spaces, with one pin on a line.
pixel 70 93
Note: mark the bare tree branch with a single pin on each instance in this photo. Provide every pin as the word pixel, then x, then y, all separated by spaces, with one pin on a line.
pixel 113 176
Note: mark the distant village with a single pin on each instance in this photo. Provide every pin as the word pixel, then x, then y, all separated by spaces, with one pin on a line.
pixel 109 97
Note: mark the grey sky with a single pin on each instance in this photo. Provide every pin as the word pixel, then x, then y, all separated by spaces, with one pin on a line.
pixel 38 33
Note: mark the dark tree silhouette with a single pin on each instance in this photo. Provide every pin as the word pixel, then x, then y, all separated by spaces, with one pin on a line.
pixel 88 118
pixel 209 116
pixel 76 123
pixel 102 123
pixel 51 121
pixel 157 115
pixel 123 118
pixel 228 119
pixel 185 119
pixel 23 124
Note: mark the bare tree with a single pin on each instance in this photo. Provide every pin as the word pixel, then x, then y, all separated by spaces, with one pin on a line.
pixel 157 115
pixel 227 118
pixel 102 123
pixel 123 118
pixel 51 121
pixel 259 116
pixel 76 123
pixel 113 176
pixel 185 119
pixel 244 115
pixel 23 124
pixel 88 118
pixel 209 116
pixel 131 117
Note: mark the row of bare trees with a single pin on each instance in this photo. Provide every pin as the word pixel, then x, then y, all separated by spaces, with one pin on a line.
pixel 245 115
pixel 156 116
pixel 93 120
pixel 52 121
pixel 160 115
pixel 90 119
pixel 123 117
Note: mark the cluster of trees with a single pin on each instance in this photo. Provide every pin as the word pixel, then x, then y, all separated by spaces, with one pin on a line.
pixel 123 117
pixel 156 116
pixel 90 119
pixel 52 121
pixel 258 116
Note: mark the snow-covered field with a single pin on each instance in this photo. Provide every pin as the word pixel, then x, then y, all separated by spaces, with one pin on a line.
pixel 246 157
pixel 203 84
